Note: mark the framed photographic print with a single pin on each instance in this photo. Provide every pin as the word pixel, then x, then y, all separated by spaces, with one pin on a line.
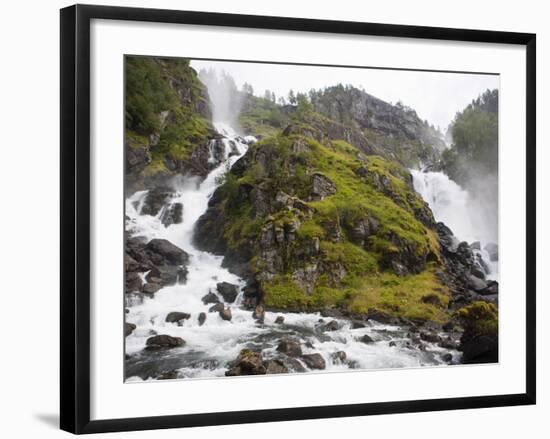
pixel 272 218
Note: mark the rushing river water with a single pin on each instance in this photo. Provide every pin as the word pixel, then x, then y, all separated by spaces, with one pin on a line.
pixel 209 347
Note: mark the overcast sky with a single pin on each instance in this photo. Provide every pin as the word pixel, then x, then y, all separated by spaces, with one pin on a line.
pixel 435 96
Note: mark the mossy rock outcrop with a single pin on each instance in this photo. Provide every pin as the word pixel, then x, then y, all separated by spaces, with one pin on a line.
pixel 316 225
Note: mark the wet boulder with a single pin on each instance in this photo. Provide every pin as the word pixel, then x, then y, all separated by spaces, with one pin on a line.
pixel 290 347
pixel 275 366
pixel 228 291
pixel 331 326
pixel 314 361
pixel 218 307
pixel 280 320
pixel 248 362
pixel 202 318
pixel 151 288
pixel 163 341
pixel 166 275
pixel 210 298
pixel 367 339
pixel 163 252
pixel 225 314
pixel 338 357
pixel 128 328
pixel 177 317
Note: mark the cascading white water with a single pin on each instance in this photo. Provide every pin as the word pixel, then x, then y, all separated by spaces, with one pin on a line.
pixel 211 346
pixel 455 207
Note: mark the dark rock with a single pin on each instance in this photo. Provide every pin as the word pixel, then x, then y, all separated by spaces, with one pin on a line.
pixel 163 341
pixel 128 328
pixel 314 361
pixel 447 358
pixel 338 357
pixel 366 339
pixel 134 282
pixel 290 347
pixel 449 326
pixel 228 291
pixel 492 288
pixel 275 366
pixel 392 344
pixel 379 316
pixel 331 326
pixel 218 307
pixel 361 230
pixel 137 155
pixel 155 199
pixel 321 187
pixel 177 317
pixel 210 298
pixel 279 320
pixel 476 283
pixel 202 318
pixel 150 288
pixel 475 245
pixel 168 252
pixel 247 363
pixel 430 337
pixel 477 270
pixel 481 349
pixel 357 324
pixel 225 314
pixel 292 364
pixel 259 314
pixel 167 275
pixel 332 312
pixel 172 215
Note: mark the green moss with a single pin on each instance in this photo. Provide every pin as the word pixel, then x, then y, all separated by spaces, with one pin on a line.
pixel 356 260
pixel 310 229
pixel 480 318
pixel 394 295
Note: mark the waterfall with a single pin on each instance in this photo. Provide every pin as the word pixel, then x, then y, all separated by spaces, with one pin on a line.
pixel 455 207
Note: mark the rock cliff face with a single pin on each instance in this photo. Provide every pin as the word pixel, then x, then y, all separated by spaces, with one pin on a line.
pixel 394 130
pixel 168 122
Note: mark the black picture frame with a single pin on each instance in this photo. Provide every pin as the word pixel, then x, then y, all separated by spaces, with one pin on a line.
pixel 75 217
